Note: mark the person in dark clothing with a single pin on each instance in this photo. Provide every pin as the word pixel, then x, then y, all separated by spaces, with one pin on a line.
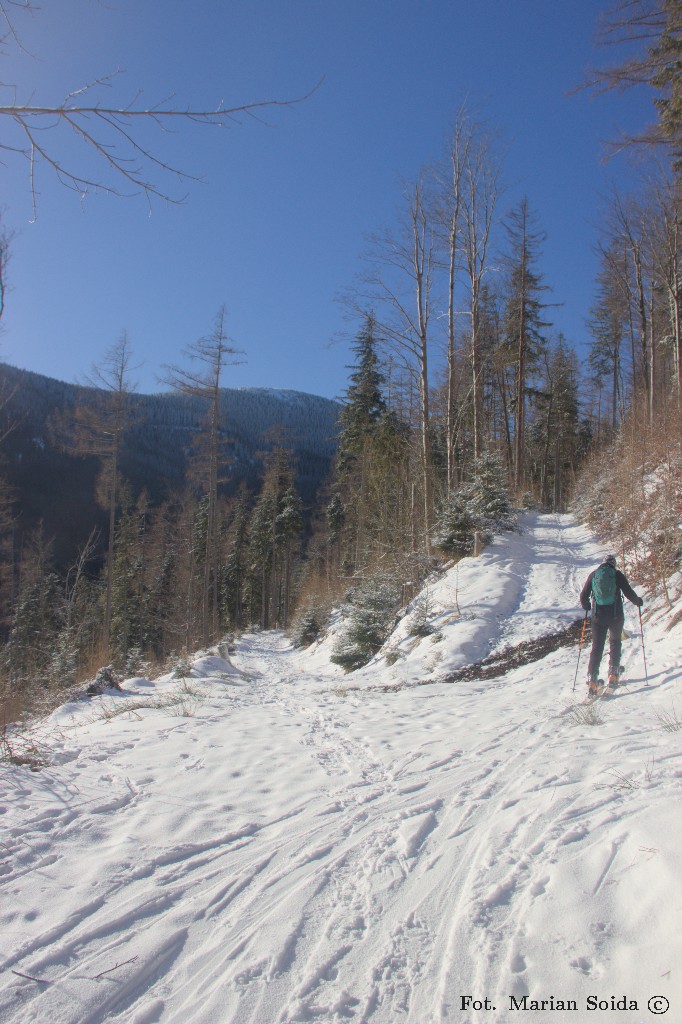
pixel 602 593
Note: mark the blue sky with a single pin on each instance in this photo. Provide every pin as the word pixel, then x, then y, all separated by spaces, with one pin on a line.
pixel 278 227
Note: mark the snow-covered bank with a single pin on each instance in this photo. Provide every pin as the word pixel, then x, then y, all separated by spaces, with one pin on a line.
pixel 272 844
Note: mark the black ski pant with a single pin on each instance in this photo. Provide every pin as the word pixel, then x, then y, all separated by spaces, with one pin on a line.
pixel 599 632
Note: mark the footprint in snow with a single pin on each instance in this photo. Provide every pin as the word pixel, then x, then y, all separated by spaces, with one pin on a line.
pixel 573 836
pixel 539 888
pixel 584 964
pixel 518 964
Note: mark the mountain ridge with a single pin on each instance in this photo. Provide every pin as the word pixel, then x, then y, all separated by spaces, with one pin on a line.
pixel 57 488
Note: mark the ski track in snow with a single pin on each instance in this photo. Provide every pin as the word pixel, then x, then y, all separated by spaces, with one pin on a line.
pixel 302 851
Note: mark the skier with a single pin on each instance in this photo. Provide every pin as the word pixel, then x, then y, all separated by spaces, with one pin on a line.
pixel 604 586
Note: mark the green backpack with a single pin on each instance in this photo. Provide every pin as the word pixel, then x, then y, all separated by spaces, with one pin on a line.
pixel 604 585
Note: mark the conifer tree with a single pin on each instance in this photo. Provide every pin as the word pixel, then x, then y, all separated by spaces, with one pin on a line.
pixel 557 444
pixel 39 618
pixel 274 538
pixel 127 629
pixel 168 613
pixel 261 557
pixel 489 493
pixel 655 26
pixel 455 524
pixel 335 515
pixel 288 530
pixel 371 472
pixel 524 323
pixel 212 353
pixel 364 404
pixel 82 626
pixel 235 568
pixel 478 507
pixel 101 421
pixel 608 327
pixel 371 613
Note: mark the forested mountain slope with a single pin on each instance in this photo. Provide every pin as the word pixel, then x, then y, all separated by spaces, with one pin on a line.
pixel 56 487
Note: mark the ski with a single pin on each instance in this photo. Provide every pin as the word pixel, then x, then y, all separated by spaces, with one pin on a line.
pixel 609 689
pixel 604 690
pixel 592 697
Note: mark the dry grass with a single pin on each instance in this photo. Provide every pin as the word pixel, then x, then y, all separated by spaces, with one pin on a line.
pixel 622 783
pixel 585 714
pixel 183 701
pixel 22 751
pixel 631 494
pixel 669 721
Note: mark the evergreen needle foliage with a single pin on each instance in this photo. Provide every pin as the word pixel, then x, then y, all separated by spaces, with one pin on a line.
pixel 481 507
pixel 371 616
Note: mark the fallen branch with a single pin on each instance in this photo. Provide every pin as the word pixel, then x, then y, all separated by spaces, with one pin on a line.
pixel 111 969
pixel 29 977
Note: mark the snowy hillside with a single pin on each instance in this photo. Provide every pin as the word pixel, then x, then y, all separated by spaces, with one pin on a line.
pixel 276 841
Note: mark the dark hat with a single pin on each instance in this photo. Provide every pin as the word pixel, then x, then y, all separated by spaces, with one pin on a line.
pixel 610 560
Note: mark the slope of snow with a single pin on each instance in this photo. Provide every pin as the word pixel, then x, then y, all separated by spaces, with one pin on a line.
pixel 281 842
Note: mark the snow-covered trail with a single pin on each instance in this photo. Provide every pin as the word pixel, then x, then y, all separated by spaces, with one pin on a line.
pixel 308 847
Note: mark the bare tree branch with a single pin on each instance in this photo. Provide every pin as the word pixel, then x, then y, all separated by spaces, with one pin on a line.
pixel 651 32
pixel 124 162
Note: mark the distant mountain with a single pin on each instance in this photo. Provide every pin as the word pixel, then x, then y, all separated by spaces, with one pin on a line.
pixel 58 488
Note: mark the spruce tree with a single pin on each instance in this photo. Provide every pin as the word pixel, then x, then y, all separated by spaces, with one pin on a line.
pixel 666 57
pixel 102 418
pixel 524 322
pixel 288 530
pixel 39 618
pixel 213 353
pixel 372 481
pixel 261 558
pixel 371 615
pixel 364 404
pixel 481 506
pixel 234 571
pixel 557 439
pixel 274 534
pixel 127 589
pixel 658 63
pixel 607 325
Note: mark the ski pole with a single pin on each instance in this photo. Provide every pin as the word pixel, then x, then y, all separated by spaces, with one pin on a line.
pixel 641 633
pixel 580 650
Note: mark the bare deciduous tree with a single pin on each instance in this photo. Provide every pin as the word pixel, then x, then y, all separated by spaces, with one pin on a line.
pixel 400 286
pixel 449 214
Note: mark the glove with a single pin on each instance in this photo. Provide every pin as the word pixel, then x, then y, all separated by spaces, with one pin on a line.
pixel 586 607
pixel 639 602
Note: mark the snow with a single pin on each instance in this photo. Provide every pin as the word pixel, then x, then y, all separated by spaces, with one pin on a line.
pixel 277 841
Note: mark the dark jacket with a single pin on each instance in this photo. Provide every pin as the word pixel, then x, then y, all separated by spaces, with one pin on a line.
pixel 609 612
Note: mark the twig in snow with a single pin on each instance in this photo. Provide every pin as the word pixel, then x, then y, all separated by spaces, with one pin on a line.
pixel 116 967
pixel 29 977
